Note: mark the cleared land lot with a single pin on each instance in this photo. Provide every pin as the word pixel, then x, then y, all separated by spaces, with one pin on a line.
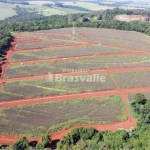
pixel 42 68
pixel 43 44
pixel 62 53
pixel 49 117
pixel 45 87
pixel 133 79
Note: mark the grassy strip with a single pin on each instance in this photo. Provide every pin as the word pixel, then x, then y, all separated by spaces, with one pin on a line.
pixel 134 114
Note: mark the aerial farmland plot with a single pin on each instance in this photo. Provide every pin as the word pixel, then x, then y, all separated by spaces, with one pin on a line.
pixel 63 53
pixel 48 35
pixel 46 87
pixel 39 103
pixel 49 117
pixel 53 67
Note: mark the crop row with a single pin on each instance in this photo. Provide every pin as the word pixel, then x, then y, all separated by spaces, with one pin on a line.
pixel 82 63
pixel 47 36
pixel 63 52
pixel 48 87
pixel 53 67
pixel 52 116
pixel 42 44
pixel 21 39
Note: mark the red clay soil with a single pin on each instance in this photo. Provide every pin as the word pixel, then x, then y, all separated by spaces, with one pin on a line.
pixel 103 71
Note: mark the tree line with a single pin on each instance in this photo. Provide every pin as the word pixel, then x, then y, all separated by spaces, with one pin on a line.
pixel 72 7
pixel 103 19
pixel 5 39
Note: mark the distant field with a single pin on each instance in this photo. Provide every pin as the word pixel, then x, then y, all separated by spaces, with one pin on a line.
pixel 139 5
pixel 5 13
pixel 88 5
pixel 40 2
pixel 6 10
pixel 69 10
pixel 46 11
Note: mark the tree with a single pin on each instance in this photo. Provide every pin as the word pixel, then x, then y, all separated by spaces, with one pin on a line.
pixel 139 98
pixel 21 144
pixel 45 141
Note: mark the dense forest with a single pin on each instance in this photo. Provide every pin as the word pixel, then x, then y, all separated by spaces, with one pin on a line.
pixel 5 39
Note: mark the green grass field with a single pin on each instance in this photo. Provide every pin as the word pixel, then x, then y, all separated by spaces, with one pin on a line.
pixel 88 5
pixel 5 13
pixel 46 11
pixel 6 10
pixel 69 10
